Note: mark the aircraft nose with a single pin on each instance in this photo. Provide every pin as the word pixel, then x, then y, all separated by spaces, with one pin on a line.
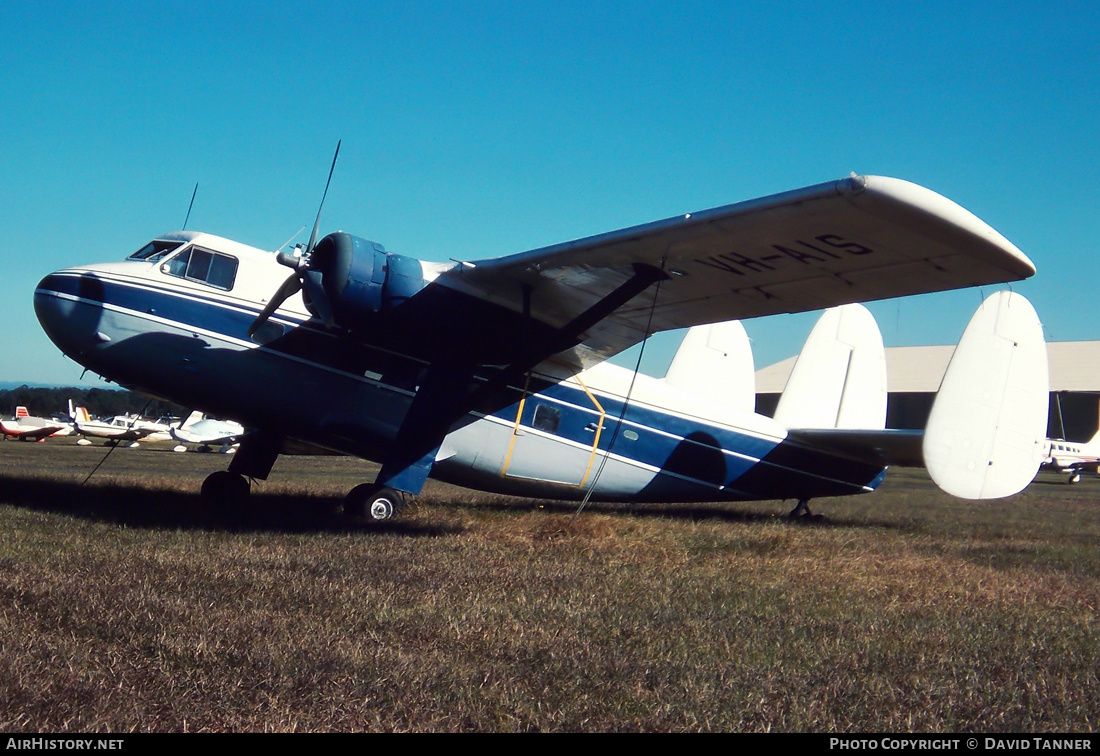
pixel 69 308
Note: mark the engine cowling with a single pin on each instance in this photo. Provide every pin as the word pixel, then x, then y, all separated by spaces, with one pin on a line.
pixel 361 278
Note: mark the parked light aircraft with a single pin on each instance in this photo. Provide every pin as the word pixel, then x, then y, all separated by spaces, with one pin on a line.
pixel 1072 456
pixel 25 427
pixel 491 373
pixel 119 428
pixel 206 432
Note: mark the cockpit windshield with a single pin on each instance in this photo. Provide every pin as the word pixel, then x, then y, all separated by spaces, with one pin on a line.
pixel 155 250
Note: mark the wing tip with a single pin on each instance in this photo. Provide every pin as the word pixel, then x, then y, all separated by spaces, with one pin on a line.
pixel 914 197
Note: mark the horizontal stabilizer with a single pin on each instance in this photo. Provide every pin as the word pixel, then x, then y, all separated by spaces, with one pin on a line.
pixel 714 362
pixel 986 432
pixel 839 378
pixel 887 447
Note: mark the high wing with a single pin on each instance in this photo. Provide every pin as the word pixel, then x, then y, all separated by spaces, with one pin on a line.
pixel 858 239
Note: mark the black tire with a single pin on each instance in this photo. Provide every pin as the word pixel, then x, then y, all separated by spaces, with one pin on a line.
pixel 225 490
pixel 373 502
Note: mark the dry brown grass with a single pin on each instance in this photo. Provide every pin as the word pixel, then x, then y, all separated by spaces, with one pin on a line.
pixel 127 607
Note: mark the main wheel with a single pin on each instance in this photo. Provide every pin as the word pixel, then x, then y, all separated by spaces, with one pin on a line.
pixel 225 490
pixel 374 502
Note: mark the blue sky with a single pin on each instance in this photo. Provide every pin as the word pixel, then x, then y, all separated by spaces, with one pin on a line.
pixel 478 129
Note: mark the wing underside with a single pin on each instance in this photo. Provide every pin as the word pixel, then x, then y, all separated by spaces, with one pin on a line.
pixel 854 240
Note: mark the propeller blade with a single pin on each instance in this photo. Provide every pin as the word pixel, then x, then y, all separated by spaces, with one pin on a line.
pixel 318 298
pixel 303 275
pixel 288 289
pixel 317 223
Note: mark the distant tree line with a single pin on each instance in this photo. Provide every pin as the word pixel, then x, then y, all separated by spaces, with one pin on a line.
pixel 44 402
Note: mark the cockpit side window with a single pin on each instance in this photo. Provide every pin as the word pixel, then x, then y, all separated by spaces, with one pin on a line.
pixel 204 266
pixel 199 267
pixel 223 271
pixel 177 265
pixel 155 250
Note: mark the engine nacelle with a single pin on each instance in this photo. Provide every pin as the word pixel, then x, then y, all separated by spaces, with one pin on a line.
pixel 360 277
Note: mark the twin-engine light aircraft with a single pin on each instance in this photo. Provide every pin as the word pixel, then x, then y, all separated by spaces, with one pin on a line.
pixel 491 373
pixel 1073 457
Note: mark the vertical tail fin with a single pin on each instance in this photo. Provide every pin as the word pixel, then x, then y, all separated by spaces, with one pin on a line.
pixel 191 419
pixel 839 378
pixel 986 434
pixel 21 411
pixel 715 362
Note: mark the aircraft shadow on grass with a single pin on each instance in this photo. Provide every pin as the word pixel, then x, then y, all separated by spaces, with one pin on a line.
pixel 141 508
pixel 304 513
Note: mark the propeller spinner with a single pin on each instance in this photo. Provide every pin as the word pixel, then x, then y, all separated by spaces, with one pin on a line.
pixel 304 275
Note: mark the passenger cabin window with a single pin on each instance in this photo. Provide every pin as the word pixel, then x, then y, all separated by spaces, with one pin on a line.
pixel 546 419
pixel 204 266
pixel 155 250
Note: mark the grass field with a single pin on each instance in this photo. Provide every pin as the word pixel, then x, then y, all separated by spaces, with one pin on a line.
pixel 127 607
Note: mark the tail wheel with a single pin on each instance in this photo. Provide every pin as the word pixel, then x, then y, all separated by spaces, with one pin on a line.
pixel 373 502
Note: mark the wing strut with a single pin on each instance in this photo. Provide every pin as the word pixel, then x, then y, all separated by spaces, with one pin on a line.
pixel 449 390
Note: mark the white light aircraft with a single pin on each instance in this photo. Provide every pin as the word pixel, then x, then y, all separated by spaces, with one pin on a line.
pixel 119 428
pixel 491 373
pixel 26 427
pixel 206 432
pixel 1072 457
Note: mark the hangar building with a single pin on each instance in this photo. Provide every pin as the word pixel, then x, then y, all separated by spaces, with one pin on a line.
pixel 913 376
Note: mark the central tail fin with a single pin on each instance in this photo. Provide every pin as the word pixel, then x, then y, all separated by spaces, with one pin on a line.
pixel 839 378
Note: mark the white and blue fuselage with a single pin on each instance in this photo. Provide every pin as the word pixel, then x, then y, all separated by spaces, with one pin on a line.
pixel 173 321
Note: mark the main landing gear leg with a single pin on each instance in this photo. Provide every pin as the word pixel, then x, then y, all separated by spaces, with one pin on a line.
pixel 384 498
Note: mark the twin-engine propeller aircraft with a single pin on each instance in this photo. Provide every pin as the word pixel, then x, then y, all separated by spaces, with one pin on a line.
pixel 491 374
pixel 1073 457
